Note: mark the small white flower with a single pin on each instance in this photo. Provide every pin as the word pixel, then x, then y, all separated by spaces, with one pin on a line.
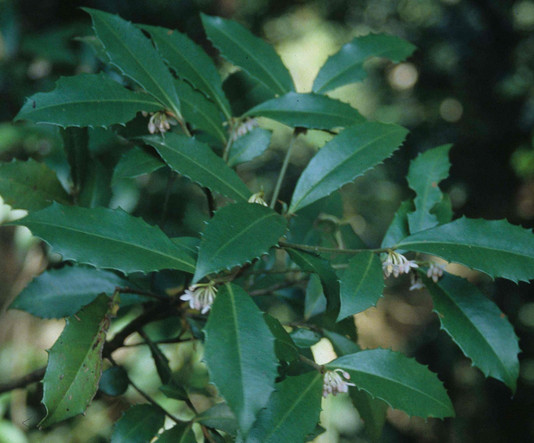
pixel 416 282
pixel 160 122
pixel 200 296
pixel 333 383
pixel 435 271
pixel 258 198
pixel 243 128
pixel 397 264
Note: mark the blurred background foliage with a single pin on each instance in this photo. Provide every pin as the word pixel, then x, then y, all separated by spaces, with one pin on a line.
pixel 471 83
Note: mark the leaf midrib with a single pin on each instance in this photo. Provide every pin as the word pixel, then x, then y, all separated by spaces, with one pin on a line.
pixel 90 101
pixel 337 166
pixel 134 245
pixel 362 279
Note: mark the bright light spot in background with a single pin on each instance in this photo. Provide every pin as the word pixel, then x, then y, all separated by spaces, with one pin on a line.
pixel 451 110
pixel 524 15
pixel 403 76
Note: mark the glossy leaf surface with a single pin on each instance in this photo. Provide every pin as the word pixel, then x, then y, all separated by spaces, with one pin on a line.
pixel 426 171
pixel 495 247
pixel 249 52
pixel 311 111
pixel 398 228
pixel 139 424
pixel 133 54
pixel 249 146
pixel 478 327
pixel 398 380
pixel 75 363
pixel 30 185
pixel 292 412
pixel 284 346
pixel 345 157
pixel 190 63
pixel 134 163
pixel 236 235
pixel 86 100
pixel 106 238
pixel 58 293
pixel 346 66
pixel 361 285
pixel 239 352
pixel 196 161
pixel 219 416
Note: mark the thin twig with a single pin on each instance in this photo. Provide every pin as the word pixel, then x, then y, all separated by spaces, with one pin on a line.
pixel 22 382
pixel 311 363
pixel 141 292
pixel 160 342
pixel 283 170
pixel 319 249
pixel 270 290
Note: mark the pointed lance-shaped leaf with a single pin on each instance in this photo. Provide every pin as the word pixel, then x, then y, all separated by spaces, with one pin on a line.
pixel 75 363
pixel 190 63
pixel 494 247
pixel 58 293
pixel 249 52
pixel 346 66
pixel 249 146
pixel 292 412
pixel 236 235
pixel 134 163
pixel 86 100
pixel 478 327
pixel 139 424
pixel 398 380
pixel 196 161
pixel 239 353
pixel 398 228
pixel 347 156
pixel 133 54
pixel 311 111
pixel 30 185
pixel 361 285
pixel 426 171
pixel 106 238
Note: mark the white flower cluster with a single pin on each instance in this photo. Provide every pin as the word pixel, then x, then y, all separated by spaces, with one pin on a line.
pixel 333 383
pixel 243 128
pixel 435 271
pixel 200 296
pixel 258 198
pixel 159 122
pixel 397 264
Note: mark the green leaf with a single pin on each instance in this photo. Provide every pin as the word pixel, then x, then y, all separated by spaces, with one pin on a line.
pixel 114 381
pixel 347 156
pixel 285 348
pixel 322 268
pixel 346 66
pixel 478 327
pixel 443 210
pixel 315 301
pixel 133 54
pixel 249 52
pixel 199 163
pixel 361 285
pixel 76 145
pixel 249 146
pixel 160 360
pixel 292 412
pixel 495 247
pixel 239 352
pixel 139 424
pixel 58 293
pixel 134 163
pixel 398 380
pixel 244 92
pixel 219 416
pixel 236 235
pixel 180 433
pixel 190 63
pixel 372 411
pixel 308 111
pixel 75 363
pixel 305 338
pixel 96 189
pixel 86 100
pixel 341 344
pixel 30 185
pixel 200 112
pixel 426 171
pixel 398 228
pixel 106 238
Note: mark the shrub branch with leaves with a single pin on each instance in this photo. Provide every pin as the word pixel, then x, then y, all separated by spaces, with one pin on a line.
pixel 269 387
